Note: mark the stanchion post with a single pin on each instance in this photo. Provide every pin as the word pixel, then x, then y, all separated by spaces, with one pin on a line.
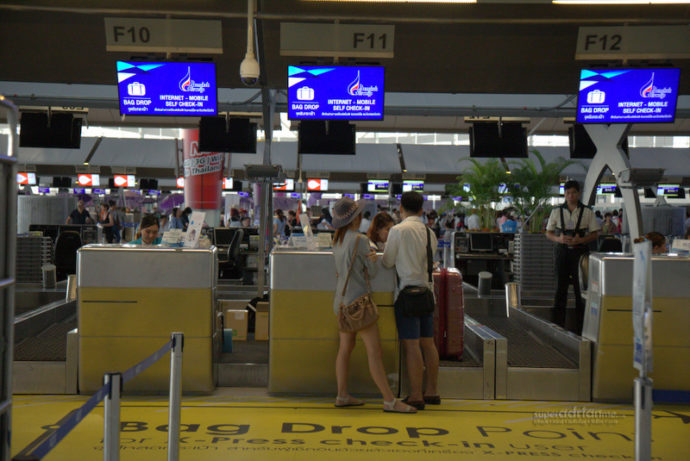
pixel 643 418
pixel 111 428
pixel 175 396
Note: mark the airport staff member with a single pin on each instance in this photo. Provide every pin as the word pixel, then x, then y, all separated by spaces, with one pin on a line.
pixel 148 230
pixel 79 215
pixel 572 226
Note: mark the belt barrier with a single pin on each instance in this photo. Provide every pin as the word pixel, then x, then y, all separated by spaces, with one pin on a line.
pixel 110 391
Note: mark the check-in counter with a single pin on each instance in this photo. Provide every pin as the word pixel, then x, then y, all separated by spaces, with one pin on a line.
pixel 130 299
pixel 608 323
pixel 303 330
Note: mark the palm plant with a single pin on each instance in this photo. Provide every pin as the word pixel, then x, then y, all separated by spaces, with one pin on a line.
pixel 530 184
pixel 483 180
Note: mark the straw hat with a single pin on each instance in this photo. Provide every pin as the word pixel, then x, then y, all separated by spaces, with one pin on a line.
pixel 345 210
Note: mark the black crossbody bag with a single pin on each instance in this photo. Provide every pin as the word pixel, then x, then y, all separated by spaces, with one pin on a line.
pixel 416 301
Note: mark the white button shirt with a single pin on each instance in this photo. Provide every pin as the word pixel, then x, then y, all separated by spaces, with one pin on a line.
pixel 587 223
pixel 406 250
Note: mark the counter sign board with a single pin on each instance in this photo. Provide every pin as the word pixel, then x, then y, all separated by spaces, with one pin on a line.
pixel 167 88
pixel 335 93
pixel 627 95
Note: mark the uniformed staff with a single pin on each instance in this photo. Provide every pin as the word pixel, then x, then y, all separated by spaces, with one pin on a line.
pixel 572 226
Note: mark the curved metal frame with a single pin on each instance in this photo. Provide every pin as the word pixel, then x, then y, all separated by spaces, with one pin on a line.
pixel 8 241
pixel 608 140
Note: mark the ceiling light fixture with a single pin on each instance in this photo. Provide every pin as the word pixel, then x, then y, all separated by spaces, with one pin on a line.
pixel 397 1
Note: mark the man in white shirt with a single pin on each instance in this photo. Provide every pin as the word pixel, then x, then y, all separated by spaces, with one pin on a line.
pixel 406 249
pixel 366 222
pixel 472 222
pixel 572 226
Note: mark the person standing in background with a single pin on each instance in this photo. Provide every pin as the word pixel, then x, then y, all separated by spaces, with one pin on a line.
pixel 176 219
pixel 106 223
pixel 186 214
pixel 378 230
pixel 79 215
pixel 366 222
pixel 472 222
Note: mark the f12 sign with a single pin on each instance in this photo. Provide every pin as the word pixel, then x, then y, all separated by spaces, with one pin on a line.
pixel 627 95
pixel 317 185
pixel 124 180
pixel 88 180
pixel 167 88
pixel 335 92
pixel 26 179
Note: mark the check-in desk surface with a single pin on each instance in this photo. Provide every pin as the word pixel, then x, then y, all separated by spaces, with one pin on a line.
pixel 130 299
pixel 608 323
pixel 303 329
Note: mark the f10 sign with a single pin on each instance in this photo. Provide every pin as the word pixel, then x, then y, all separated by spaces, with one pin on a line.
pixel 335 92
pixel 627 95
pixel 167 88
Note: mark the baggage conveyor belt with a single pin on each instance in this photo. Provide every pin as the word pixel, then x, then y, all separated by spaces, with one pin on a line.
pixel 535 359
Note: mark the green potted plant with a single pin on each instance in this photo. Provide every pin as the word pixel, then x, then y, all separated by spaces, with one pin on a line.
pixel 530 185
pixel 483 180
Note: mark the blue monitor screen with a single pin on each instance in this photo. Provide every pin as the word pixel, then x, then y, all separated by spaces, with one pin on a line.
pixel 627 95
pixel 167 88
pixel 417 186
pixel 378 185
pixel 335 92
pixel 668 190
pixel 606 189
pixel 368 196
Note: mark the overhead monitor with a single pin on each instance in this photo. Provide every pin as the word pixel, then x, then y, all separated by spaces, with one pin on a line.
pixel 180 182
pixel 124 180
pixel 326 137
pixel 317 185
pixel 582 146
pixel 26 178
pixel 88 179
pixel 413 185
pixel 61 131
pixel 670 191
pixel 489 139
pixel 335 92
pixel 606 189
pixel 216 134
pixel 286 186
pixel 227 183
pixel 378 186
pixel 167 88
pixel 627 95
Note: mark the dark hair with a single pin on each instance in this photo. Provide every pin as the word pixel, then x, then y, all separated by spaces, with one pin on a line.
pixel 149 220
pixel 571 184
pixel 615 212
pixel 412 201
pixel 292 213
pixel 380 221
pixel 367 214
pixel 280 214
pixel 607 214
pixel 105 205
pixel 656 238
pixel 187 211
pixel 111 202
pixel 234 213
pixel 174 212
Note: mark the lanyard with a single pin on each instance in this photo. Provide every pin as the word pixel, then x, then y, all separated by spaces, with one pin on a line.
pixel 581 207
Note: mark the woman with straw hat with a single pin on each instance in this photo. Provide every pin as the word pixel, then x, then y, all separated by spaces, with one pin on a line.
pixel 354 263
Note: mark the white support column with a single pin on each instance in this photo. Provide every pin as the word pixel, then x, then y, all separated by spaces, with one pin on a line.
pixel 608 140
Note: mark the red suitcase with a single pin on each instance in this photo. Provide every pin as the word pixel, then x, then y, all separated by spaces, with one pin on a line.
pixel 449 317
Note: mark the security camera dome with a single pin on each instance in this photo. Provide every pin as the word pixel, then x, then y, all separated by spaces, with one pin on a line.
pixel 249 70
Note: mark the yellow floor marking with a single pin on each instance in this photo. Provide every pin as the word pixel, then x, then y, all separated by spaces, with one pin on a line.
pixel 251 425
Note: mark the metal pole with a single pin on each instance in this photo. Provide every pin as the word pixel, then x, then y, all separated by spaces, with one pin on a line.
pixel 175 396
pixel 111 426
pixel 643 419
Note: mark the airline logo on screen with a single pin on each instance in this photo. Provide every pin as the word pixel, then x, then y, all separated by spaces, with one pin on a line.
pixel 356 89
pixel 317 185
pixel 190 86
pixel 88 180
pixel 649 91
pixel 123 180
pixel 22 178
pixel 180 182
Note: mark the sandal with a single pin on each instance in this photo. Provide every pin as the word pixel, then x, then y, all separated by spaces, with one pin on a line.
pixel 432 399
pixel 418 404
pixel 348 401
pixel 389 407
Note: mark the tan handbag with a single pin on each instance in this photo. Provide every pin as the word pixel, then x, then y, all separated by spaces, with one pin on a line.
pixel 360 313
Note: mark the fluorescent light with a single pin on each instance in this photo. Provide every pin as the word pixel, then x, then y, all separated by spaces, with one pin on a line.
pixel 621 2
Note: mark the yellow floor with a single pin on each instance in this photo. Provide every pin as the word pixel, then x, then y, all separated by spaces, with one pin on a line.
pixel 248 424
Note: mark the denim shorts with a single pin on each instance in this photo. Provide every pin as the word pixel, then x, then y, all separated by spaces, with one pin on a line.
pixel 414 327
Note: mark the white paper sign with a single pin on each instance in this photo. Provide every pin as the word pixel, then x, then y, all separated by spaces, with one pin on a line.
pixel 191 238
pixel 642 307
